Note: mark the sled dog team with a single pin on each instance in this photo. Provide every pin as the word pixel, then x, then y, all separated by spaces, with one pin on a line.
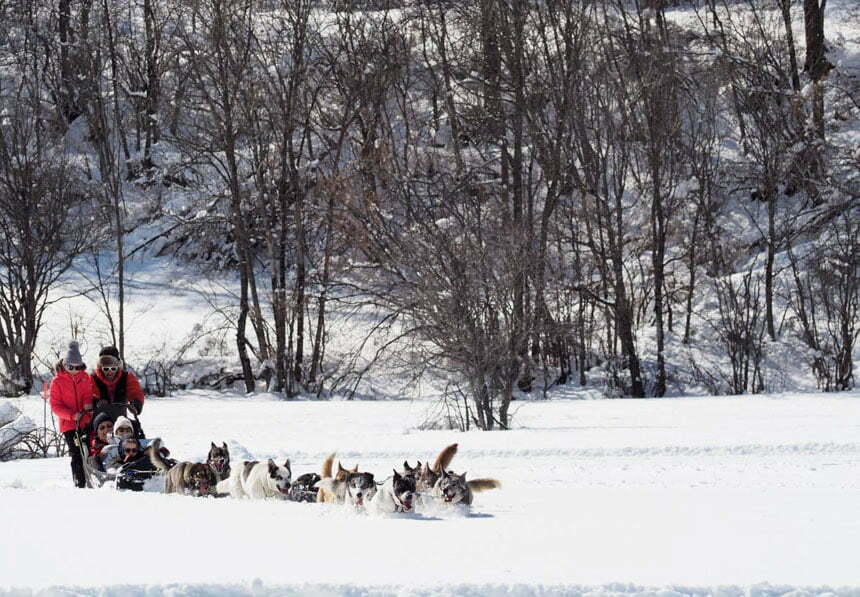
pixel 401 492
pixel 98 444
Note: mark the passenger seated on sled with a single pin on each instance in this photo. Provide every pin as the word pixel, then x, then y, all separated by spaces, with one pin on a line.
pixel 112 452
pixel 113 455
pixel 130 455
pixel 113 384
pixel 102 436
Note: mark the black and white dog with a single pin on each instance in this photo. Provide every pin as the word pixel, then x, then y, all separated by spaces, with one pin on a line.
pixel 303 490
pixel 397 494
pixel 258 480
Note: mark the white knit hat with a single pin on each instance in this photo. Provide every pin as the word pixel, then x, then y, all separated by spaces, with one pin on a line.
pixel 122 422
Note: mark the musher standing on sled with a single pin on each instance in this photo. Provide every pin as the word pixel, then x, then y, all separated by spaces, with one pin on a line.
pixel 113 384
pixel 72 402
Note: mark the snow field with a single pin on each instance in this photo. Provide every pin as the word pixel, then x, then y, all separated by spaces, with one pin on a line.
pixel 680 496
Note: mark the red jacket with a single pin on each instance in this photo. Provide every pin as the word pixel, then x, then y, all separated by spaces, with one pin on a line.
pixel 96 446
pixel 124 388
pixel 69 395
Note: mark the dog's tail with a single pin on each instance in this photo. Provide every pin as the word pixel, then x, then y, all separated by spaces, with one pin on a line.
pixel 443 460
pixel 483 484
pixel 155 457
pixel 328 464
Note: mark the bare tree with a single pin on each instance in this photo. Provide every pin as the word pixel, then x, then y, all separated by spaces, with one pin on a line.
pixel 219 60
pixel 44 227
pixel 826 302
pixel 740 328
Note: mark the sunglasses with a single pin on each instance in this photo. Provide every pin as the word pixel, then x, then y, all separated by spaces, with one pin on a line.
pixel 131 450
pixel 76 367
pixel 110 369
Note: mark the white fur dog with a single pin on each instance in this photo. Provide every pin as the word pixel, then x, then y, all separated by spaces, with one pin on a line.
pixel 258 480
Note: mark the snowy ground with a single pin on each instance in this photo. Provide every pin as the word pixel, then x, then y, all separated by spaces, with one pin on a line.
pixel 728 496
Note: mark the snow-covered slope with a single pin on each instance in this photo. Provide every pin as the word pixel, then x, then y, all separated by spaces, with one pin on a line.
pixel 682 496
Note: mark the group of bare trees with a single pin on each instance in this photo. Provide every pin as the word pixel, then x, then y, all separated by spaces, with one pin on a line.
pixel 516 189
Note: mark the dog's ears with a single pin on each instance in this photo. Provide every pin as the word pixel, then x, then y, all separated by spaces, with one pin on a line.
pixel 273 468
pixel 213 445
pixel 396 475
pixel 225 447
pixel 406 466
pixel 287 464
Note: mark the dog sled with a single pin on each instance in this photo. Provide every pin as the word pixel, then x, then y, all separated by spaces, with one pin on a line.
pixel 138 475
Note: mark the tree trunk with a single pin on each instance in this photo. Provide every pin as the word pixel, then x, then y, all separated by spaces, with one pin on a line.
pixel 816 64
pixel 120 257
pixel 658 263
pixel 152 83
pixel 771 255
pixel 316 357
pixel 300 287
pixel 785 6
pixel 241 340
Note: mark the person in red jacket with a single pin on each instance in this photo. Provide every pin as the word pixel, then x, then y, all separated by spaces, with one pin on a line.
pixel 72 402
pixel 113 384
pixel 101 435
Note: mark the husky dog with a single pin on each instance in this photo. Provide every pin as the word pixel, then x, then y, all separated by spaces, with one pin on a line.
pixel 454 489
pixel 324 495
pixel 302 489
pixel 258 480
pixel 187 478
pixel 428 477
pixel 409 471
pixel 397 494
pixel 354 488
pixel 360 488
pixel 219 461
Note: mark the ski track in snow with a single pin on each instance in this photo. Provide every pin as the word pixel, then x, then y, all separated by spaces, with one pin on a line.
pixel 752 496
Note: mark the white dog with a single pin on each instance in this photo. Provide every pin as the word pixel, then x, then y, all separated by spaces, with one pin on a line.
pixel 258 480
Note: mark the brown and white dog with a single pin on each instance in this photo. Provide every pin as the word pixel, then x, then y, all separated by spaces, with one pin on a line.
pixel 348 486
pixel 323 494
pixel 187 478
